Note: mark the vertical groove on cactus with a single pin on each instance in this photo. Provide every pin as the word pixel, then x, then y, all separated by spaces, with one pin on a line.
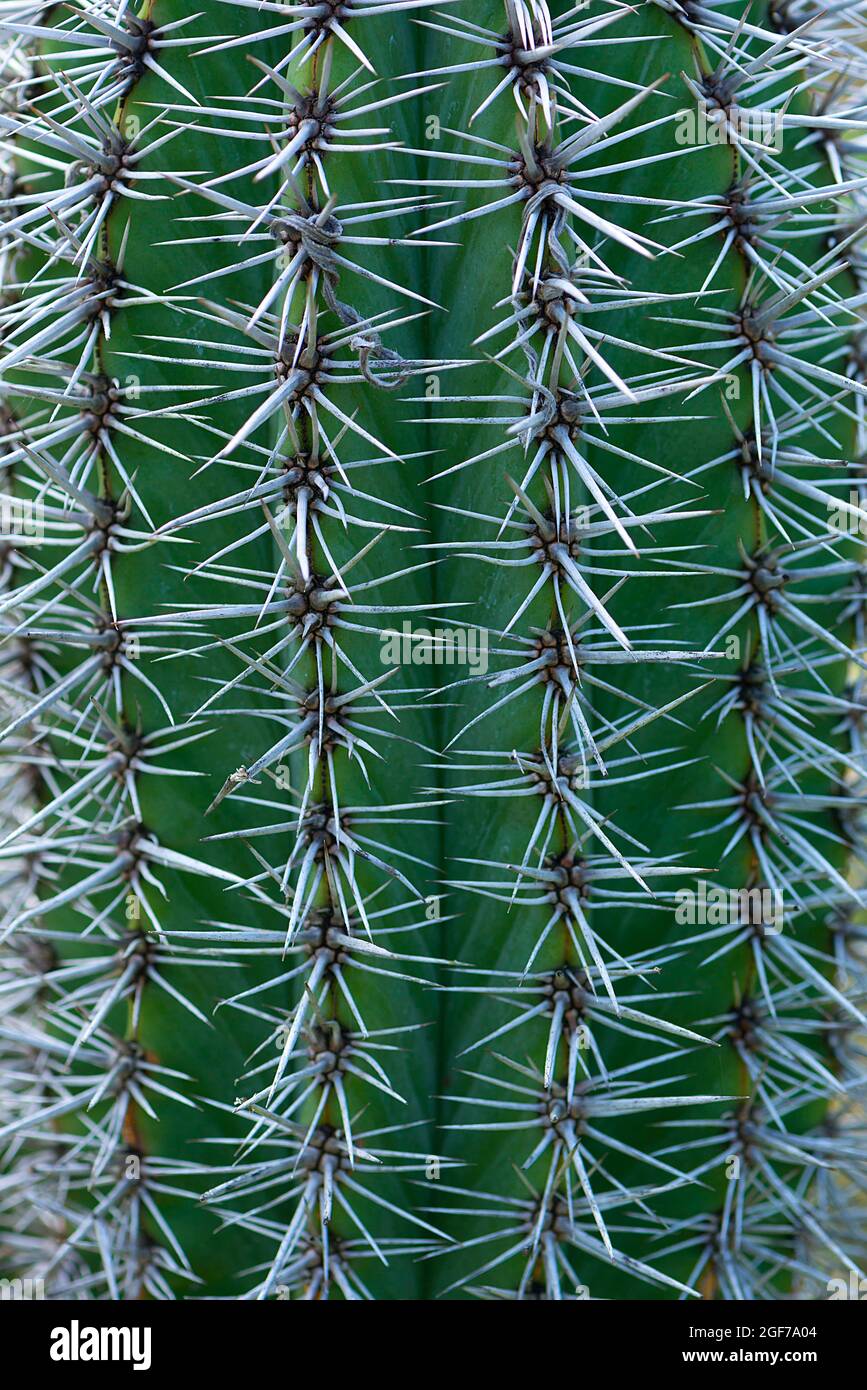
pixel 344 343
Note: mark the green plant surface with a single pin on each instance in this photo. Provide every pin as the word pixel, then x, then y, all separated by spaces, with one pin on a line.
pixel 519 957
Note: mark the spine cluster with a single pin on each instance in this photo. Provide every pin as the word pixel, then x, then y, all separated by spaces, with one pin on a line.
pixel 85 725
pixel 760 514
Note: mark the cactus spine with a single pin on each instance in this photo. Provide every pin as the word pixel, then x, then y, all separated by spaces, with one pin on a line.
pixel 537 979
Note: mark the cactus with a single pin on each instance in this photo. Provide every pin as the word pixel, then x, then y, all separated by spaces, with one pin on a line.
pixel 432 649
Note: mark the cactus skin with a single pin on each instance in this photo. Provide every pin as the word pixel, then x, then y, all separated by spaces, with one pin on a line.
pixel 229 997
